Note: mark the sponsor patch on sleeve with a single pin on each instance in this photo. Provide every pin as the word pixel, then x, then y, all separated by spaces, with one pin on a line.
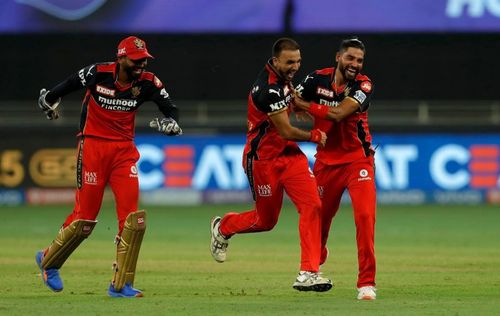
pixel 359 96
pixel 366 86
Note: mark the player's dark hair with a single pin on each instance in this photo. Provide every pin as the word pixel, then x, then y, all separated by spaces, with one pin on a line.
pixel 351 42
pixel 284 43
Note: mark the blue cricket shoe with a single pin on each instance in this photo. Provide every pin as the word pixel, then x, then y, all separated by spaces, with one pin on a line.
pixel 50 277
pixel 126 291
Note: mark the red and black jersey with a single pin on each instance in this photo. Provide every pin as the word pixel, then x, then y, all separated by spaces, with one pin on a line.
pixel 349 139
pixel 109 109
pixel 270 94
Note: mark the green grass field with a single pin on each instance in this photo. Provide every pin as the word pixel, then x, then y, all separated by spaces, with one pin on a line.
pixel 432 260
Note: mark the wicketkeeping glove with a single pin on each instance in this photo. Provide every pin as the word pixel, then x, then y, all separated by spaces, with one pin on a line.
pixel 50 110
pixel 166 125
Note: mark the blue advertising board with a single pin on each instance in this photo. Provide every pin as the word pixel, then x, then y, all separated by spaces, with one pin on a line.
pixel 409 168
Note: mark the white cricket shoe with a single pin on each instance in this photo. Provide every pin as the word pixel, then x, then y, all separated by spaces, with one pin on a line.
pixel 367 293
pixel 218 244
pixel 312 281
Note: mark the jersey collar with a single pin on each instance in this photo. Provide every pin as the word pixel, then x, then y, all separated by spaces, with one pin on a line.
pixel 273 72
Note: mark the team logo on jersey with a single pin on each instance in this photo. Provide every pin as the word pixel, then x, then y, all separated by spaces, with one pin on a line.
pixel 325 92
pixel 255 89
pixel 360 96
pixel 363 175
pixel 105 91
pixel 366 86
pixel 157 82
pixel 264 190
pixel 135 91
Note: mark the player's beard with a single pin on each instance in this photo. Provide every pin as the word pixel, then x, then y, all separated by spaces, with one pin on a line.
pixel 134 72
pixel 288 75
pixel 348 75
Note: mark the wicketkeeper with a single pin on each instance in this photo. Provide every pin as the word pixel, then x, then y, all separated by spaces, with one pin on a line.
pixel 107 155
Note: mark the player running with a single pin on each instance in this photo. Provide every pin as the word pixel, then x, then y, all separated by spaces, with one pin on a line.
pixel 107 155
pixel 274 164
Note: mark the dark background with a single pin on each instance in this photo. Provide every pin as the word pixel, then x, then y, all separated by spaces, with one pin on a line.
pixel 222 67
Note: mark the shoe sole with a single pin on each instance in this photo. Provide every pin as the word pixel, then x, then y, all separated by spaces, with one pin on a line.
pixel 38 259
pixel 212 224
pixel 316 287
pixel 119 295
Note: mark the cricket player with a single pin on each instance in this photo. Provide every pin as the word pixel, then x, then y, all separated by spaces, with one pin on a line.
pixel 339 98
pixel 274 164
pixel 114 91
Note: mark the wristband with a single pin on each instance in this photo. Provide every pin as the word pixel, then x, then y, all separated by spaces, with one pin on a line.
pixel 318 110
pixel 315 136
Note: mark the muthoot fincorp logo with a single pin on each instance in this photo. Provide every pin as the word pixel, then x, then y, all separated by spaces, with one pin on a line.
pixel 117 104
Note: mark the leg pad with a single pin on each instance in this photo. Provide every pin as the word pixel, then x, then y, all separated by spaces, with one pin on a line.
pixel 68 239
pixel 128 246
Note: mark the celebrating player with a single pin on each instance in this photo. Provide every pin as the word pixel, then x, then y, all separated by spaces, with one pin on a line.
pixel 339 98
pixel 107 155
pixel 274 164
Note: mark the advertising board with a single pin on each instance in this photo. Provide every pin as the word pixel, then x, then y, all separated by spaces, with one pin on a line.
pixel 191 169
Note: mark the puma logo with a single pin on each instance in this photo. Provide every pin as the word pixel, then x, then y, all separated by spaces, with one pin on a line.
pixel 275 91
pixel 89 71
pixel 307 78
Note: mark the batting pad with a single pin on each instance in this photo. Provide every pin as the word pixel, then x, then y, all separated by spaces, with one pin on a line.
pixel 127 250
pixel 68 239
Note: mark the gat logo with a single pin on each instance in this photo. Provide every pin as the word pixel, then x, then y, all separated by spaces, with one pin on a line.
pixel 53 167
pixel 472 8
